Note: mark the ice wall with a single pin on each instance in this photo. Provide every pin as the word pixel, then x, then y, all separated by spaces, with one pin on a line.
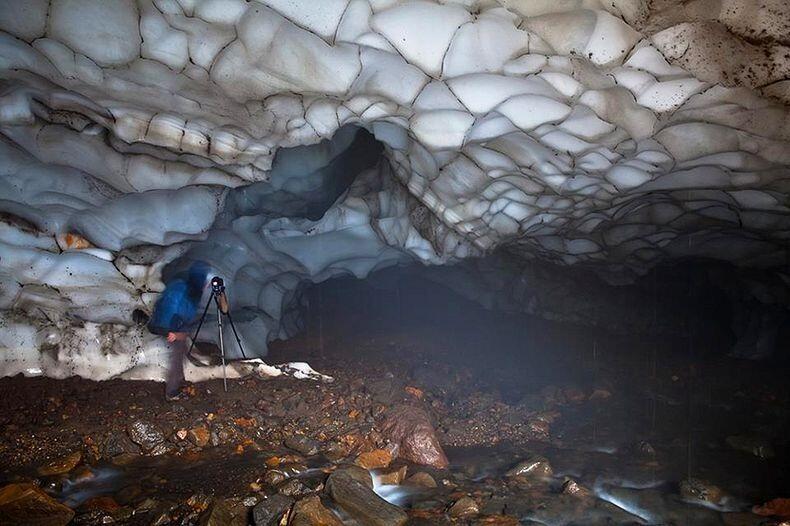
pixel 136 133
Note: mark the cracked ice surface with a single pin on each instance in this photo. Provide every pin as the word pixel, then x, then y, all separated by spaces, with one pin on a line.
pixel 134 134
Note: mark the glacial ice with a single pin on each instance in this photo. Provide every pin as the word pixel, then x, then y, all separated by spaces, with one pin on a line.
pixel 138 135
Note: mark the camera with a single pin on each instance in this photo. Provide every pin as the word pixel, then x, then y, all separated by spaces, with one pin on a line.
pixel 217 285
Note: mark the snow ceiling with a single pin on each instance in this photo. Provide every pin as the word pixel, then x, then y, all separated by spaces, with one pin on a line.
pixel 289 141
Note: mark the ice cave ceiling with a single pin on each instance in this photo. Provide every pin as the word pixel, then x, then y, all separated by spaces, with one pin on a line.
pixel 289 141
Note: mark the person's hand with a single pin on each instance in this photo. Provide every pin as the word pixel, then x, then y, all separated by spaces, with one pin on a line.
pixel 223 303
pixel 175 336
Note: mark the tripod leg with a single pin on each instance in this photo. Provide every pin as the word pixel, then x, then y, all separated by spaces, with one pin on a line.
pixel 236 334
pixel 202 318
pixel 222 349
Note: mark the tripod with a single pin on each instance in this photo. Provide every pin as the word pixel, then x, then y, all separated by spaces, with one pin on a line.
pixel 218 295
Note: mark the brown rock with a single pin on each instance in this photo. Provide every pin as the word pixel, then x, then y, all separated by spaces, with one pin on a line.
pixel 61 465
pixel 376 459
pixel 270 510
pixel 410 428
pixel 394 477
pixel 28 504
pixel 102 503
pixel 534 467
pixel 464 507
pixel 310 512
pixel 274 477
pixel 225 512
pixel 302 445
pixel 359 474
pixel 361 502
pixel 422 480
pixel 199 436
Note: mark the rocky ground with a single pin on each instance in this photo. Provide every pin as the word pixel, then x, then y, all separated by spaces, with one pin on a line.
pixel 415 429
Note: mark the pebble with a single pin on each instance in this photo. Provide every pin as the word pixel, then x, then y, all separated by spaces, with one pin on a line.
pixel 145 434
pixel 199 436
pixel 302 445
pixel 464 507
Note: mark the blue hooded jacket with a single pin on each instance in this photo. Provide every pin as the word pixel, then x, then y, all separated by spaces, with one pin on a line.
pixel 178 306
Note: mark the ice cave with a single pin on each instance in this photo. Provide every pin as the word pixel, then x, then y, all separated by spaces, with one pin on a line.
pixel 389 262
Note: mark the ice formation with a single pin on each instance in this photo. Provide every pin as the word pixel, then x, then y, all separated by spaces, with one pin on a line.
pixel 290 141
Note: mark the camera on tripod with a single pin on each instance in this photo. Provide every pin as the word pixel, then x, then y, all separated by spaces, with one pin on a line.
pixel 217 285
pixel 223 309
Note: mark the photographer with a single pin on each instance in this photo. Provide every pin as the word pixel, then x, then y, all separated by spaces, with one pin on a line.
pixel 174 315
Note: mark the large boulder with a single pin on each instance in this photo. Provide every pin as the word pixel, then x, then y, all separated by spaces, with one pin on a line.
pixel 410 428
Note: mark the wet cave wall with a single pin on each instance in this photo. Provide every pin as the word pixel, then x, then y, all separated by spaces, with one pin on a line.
pixel 538 157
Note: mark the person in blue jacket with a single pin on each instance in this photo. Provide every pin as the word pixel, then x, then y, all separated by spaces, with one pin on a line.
pixel 175 314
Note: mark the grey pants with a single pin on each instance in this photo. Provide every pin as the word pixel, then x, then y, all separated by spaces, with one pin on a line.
pixel 175 370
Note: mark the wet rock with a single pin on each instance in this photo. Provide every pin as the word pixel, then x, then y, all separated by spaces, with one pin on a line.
pixel 221 434
pixel 535 467
pixel 361 502
pixel 571 487
pixel 697 491
pixel 645 448
pixel 463 508
pixel 225 512
pixel 376 459
pixel 754 445
pixel 61 465
pixel 101 503
pixel 273 477
pixel 302 445
pixel 269 511
pixel 119 444
pixel 28 504
pixel 657 507
pixel 774 508
pixel 199 436
pixel 359 474
pixel 410 428
pixel 147 505
pixel 145 434
pixel 394 477
pixel 162 513
pixel 199 502
pixel 311 512
pixel 422 480
pixel 163 448
pixel 294 488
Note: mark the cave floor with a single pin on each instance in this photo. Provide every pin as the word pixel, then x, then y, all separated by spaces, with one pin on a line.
pixel 614 432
